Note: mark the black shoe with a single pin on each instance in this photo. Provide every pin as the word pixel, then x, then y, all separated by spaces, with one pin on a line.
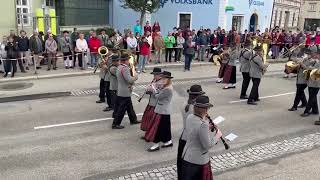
pixel 153 150
pixel 67 67
pixel 257 100
pixel 302 106
pixel 100 101
pixel 107 109
pixel 166 146
pixel 1 72
pixel 12 75
pixel 292 109
pixel 38 67
pixel 48 69
pixel 54 68
pixel 117 127
pixel 252 103
pixel 315 112
pixel 24 71
pixel 5 74
pixel 27 68
pixel 305 114
pixel 244 97
pixel 317 122
pixel 135 122
pixel 71 67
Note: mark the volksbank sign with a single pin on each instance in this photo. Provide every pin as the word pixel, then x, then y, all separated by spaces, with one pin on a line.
pixel 256 3
pixel 204 2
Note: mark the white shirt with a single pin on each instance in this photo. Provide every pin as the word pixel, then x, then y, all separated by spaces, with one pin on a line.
pixel 132 42
pixel 149 40
pixel 82 45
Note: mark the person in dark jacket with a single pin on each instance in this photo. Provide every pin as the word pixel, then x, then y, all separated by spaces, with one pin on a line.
pixel 202 43
pixel 36 48
pixel 11 61
pixel 23 45
pixel 189 51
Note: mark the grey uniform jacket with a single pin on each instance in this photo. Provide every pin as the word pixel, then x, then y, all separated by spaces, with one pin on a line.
pixel 199 141
pixel 164 97
pixel 300 76
pixel 256 67
pixel 314 64
pixel 113 78
pixel 152 98
pixel 185 115
pixel 233 58
pixel 125 81
pixel 66 45
pixel 244 58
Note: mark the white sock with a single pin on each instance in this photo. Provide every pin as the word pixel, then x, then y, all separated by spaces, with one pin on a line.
pixel 65 63
pixel 70 62
pixel 168 143
pixel 155 146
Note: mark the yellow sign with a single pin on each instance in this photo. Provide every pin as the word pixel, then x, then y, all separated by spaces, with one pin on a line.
pixel 40 20
pixel 53 22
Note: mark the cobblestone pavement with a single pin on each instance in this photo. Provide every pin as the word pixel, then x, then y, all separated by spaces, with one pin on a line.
pixel 239 158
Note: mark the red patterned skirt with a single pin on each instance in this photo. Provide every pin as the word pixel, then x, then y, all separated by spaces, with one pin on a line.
pixel 230 75
pixel 152 127
pixel 147 118
pixel 192 171
pixel 221 70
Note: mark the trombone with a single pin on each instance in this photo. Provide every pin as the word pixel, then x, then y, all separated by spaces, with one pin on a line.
pixel 102 51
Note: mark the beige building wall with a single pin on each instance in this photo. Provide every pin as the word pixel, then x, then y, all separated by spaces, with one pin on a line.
pixel 310 9
pixel 286 14
pixel 7 18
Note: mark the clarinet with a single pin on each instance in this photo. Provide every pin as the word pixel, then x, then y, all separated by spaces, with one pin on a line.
pixel 226 145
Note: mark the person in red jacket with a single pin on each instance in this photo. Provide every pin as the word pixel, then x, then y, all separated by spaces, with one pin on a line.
pixel 94 44
pixel 317 39
pixel 144 53
pixel 147 28
pixel 308 39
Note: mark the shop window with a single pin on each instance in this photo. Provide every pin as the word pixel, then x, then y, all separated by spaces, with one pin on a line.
pixel 50 3
pixel 237 23
pixel 184 20
pixel 23 12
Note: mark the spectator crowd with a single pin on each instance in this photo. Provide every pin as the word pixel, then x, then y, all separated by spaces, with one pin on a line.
pixel 147 43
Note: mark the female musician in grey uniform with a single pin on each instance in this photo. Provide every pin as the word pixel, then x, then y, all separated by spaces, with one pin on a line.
pixel 244 58
pixel 313 85
pixel 149 111
pixel 160 130
pixel 224 59
pixel 187 109
pixel 230 74
pixel 200 139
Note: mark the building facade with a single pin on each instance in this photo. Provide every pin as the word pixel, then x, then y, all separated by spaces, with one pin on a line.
pixel 247 14
pixel 286 14
pixel 310 16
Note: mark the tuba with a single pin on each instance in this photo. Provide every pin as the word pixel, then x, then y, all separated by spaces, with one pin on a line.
pixel 315 75
pixel 102 51
pixel 292 67
pixel 307 74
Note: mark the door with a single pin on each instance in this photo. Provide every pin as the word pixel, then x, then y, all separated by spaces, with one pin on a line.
pixel 184 20
pixel 286 19
pixel 253 23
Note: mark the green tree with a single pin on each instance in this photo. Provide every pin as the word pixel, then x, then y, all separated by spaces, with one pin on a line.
pixel 141 6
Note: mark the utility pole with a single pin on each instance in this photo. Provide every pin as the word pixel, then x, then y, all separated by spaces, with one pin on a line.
pixel 274 1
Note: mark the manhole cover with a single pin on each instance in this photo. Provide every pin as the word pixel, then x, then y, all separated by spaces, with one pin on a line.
pixel 15 86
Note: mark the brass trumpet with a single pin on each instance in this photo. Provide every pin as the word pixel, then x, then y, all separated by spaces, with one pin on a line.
pixel 292 66
pixel 315 75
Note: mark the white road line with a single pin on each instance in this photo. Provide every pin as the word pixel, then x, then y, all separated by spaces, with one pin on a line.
pixel 77 122
pixel 265 97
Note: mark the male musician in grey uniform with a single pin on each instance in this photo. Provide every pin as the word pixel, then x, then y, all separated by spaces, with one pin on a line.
pixel 66 48
pixel 313 85
pixel 114 82
pixel 124 102
pixel 105 84
pixel 109 106
pixel 244 58
pixel 257 68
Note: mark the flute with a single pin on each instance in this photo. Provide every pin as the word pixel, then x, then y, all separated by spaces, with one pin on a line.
pixel 226 145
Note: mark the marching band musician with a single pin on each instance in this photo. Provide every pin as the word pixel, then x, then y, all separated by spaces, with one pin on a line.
pixel 244 58
pixel 301 84
pixel 224 59
pixel 313 85
pixel 194 92
pixel 160 131
pixel 124 102
pixel 200 139
pixel 108 96
pixel 230 74
pixel 114 82
pixel 257 68
pixel 103 79
pixel 149 111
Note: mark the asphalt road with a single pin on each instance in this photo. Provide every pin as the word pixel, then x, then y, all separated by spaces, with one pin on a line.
pixel 92 150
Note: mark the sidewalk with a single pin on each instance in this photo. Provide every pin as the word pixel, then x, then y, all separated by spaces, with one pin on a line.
pixel 62 72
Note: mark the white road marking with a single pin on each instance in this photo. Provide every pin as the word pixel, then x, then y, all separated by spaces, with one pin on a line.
pixel 77 122
pixel 265 97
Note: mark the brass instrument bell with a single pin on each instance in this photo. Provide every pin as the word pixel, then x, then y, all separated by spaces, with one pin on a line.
pixel 315 75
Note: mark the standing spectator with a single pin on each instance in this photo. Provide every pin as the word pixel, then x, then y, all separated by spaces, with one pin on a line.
pixel 132 42
pixel 147 28
pixel 11 61
pixel 308 39
pixel 46 37
pixel 104 38
pixel 137 50
pixel 66 48
pixel 244 36
pixel 280 40
pixel 158 46
pixel 156 27
pixel 317 39
pixel 202 43
pixel 189 51
pixel 179 47
pixel 150 41
pixel 137 28
pixel 51 49
pixel 288 42
pixel 74 37
pixel 14 36
pixel 144 52
pixel 36 48
pixel 275 47
pixel 81 48
pixel 3 53
pixel 237 40
pixel 94 44
pixel 23 45
pixel 169 41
